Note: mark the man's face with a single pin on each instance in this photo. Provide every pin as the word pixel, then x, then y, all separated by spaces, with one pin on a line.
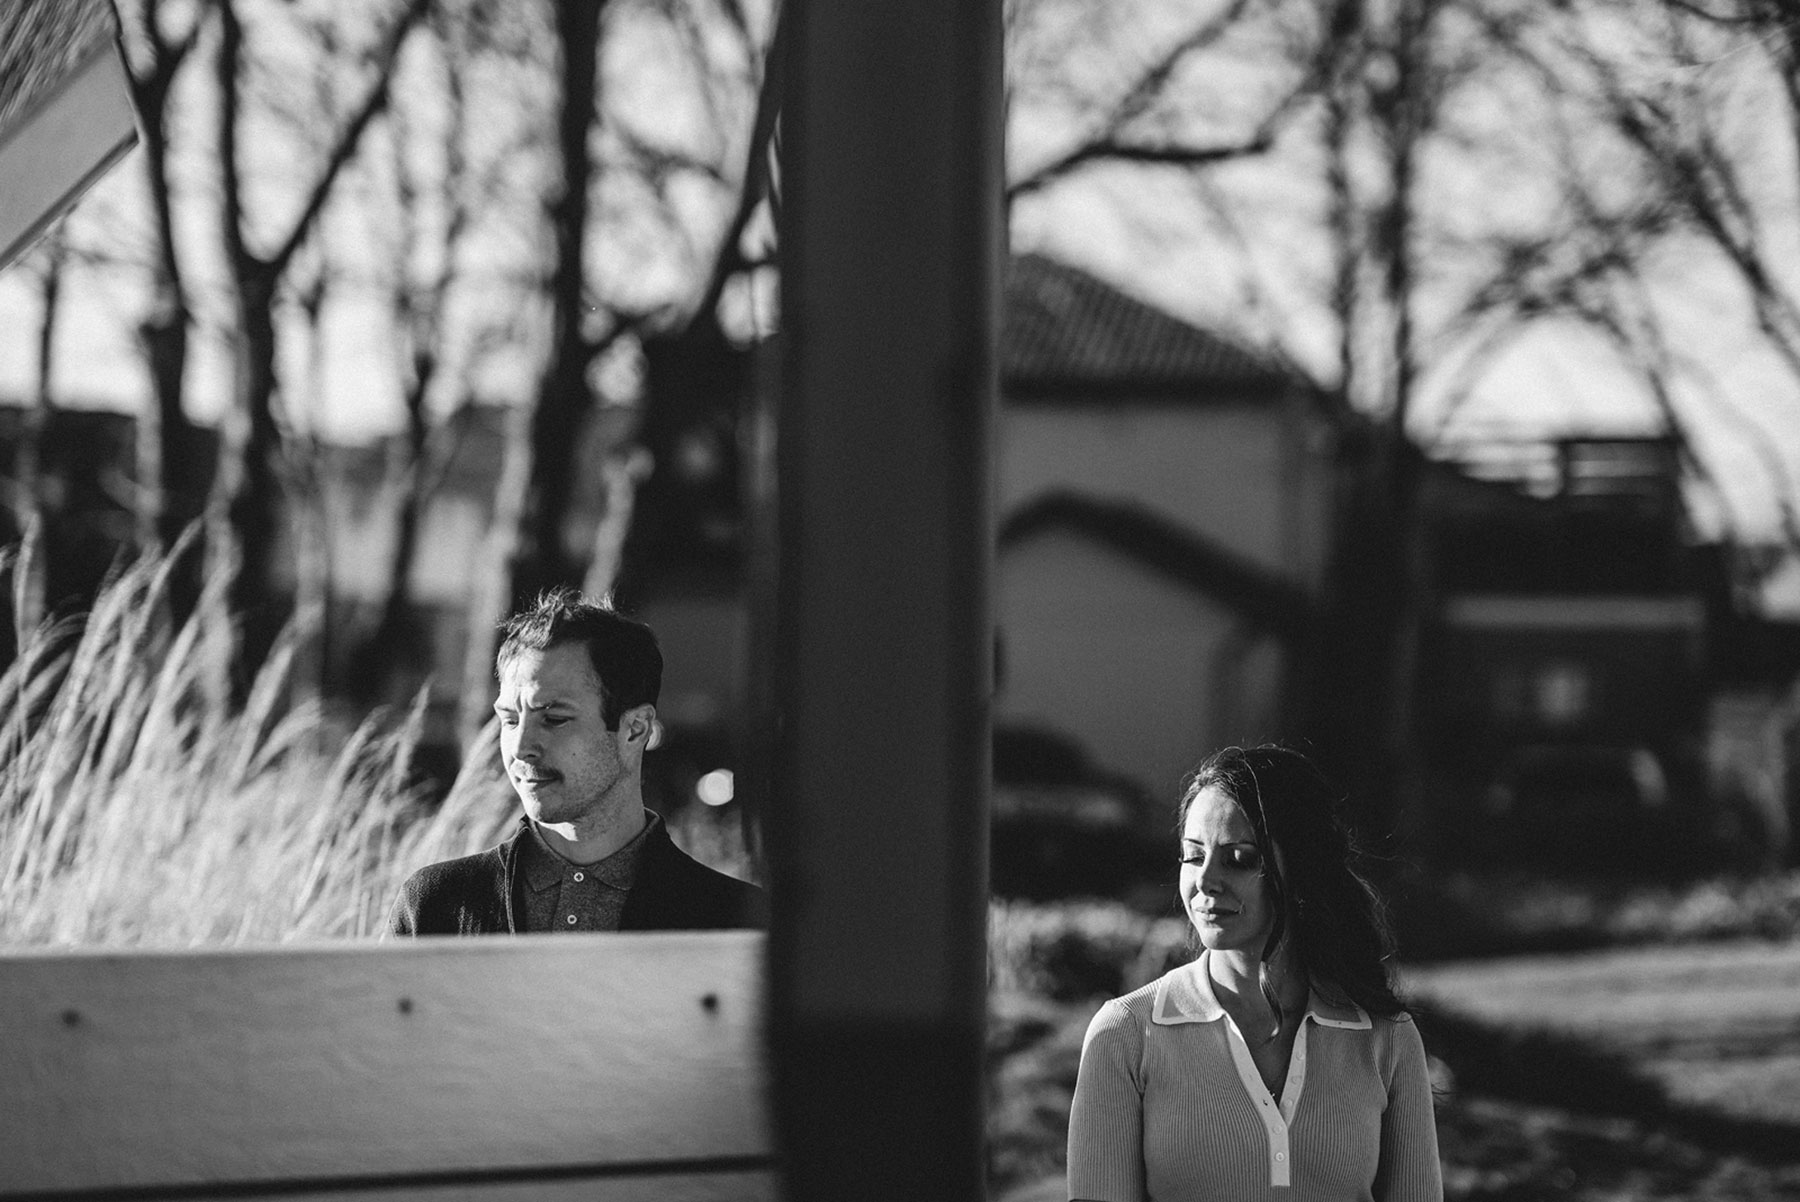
pixel 562 761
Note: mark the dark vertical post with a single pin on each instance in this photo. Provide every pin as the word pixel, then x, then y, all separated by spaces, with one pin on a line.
pixel 877 823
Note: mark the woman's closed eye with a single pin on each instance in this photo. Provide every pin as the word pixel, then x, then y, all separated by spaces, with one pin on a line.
pixel 1243 857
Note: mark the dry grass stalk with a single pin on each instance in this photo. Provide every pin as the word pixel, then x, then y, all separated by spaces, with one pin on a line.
pixel 137 809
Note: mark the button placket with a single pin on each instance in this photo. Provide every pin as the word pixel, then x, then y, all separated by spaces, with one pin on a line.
pixel 1274 1117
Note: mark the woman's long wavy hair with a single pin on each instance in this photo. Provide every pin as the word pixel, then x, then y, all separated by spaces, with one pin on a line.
pixel 1328 918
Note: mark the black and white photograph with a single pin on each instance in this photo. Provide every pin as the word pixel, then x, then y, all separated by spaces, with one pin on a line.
pixel 928 600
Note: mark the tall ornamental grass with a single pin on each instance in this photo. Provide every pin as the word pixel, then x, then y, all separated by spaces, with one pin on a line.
pixel 140 806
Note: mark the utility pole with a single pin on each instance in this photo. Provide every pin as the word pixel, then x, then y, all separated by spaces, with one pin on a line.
pixel 891 243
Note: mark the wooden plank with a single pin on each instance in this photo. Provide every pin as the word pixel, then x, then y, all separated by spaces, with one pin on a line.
pixel 440 1063
pixel 65 114
pixel 748 1186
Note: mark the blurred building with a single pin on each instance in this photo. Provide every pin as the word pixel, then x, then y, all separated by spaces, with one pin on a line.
pixel 1571 605
pixel 1165 500
pixel 1577 673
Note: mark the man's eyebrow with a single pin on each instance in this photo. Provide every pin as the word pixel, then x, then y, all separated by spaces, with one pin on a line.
pixel 553 703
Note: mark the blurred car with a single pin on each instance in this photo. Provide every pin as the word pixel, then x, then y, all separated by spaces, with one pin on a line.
pixel 1578 805
pixel 1061 828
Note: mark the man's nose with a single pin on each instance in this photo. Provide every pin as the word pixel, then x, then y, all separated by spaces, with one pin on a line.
pixel 530 743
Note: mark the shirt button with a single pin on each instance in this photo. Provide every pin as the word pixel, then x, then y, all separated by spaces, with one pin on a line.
pixel 580 877
pixel 571 920
pixel 1281 1156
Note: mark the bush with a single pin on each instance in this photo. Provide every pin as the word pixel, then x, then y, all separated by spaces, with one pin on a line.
pixel 1080 950
pixel 1468 915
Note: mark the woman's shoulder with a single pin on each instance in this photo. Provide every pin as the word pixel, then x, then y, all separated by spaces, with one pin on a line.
pixel 1127 1010
pixel 1119 1027
pixel 1400 1029
pixel 1140 1000
pixel 1137 1007
pixel 1396 1036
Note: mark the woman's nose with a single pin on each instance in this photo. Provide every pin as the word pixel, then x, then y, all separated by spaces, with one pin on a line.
pixel 1209 875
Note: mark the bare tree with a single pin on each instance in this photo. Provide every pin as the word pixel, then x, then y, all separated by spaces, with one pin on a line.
pixel 171 472
pixel 433 210
pixel 304 484
pixel 244 504
pixel 30 585
pixel 540 557
pixel 1121 127
pixel 526 537
pixel 1705 97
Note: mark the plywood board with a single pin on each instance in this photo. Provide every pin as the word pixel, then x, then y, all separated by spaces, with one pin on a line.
pixel 437 1063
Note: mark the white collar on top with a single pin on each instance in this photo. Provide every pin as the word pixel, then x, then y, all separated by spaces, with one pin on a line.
pixel 1186 996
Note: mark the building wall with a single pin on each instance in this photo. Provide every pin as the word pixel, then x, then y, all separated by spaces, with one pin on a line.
pixel 1251 477
pixel 1146 674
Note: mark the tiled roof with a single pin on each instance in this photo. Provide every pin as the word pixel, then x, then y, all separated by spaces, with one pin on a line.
pixel 1066 332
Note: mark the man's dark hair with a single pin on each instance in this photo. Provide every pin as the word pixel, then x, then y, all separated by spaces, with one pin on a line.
pixel 623 652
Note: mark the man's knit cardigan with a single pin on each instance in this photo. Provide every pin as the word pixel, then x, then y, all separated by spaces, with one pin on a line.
pixel 473 895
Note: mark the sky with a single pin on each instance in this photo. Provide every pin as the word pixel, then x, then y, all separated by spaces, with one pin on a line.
pixel 1236 251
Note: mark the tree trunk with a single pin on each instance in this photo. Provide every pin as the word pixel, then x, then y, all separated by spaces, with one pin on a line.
pixel 171 479
pixel 172 464
pixel 244 508
pixel 397 637
pixel 488 598
pixel 30 583
pixel 541 558
pixel 247 488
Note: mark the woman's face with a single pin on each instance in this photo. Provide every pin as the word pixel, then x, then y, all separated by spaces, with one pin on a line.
pixel 1223 887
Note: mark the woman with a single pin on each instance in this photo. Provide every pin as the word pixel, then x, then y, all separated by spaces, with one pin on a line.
pixel 1278 1063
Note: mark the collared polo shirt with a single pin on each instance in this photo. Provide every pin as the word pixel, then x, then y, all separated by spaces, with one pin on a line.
pixel 1169 1106
pixel 559 895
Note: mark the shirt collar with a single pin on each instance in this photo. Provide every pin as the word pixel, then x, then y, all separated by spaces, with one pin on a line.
pixel 1186 996
pixel 544 868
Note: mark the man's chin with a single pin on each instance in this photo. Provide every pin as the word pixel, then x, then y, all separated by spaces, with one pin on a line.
pixel 538 808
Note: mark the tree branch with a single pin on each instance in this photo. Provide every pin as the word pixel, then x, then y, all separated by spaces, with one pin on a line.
pixel 1125 150
pixel 351 137
pixel 659 162
pixel 1110 143
pixel 758 169
pixel 1702 13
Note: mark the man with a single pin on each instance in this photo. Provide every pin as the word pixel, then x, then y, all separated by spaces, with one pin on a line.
pixel 577 711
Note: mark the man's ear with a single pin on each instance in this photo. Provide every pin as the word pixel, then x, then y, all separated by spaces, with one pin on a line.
pixel 641 727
